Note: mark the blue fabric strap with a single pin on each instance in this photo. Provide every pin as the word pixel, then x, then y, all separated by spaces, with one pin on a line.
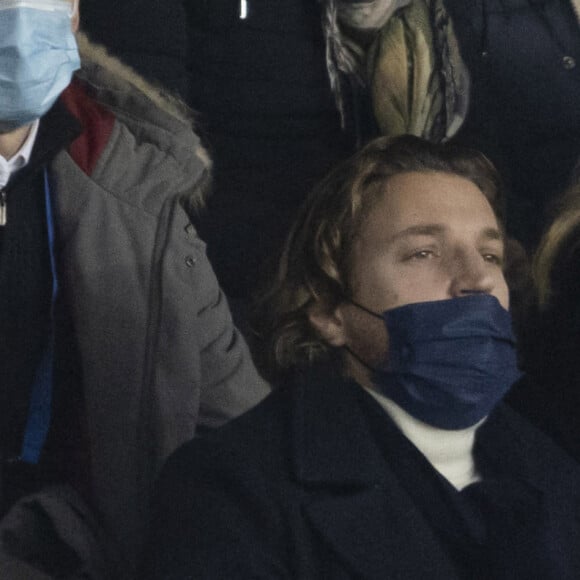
pixel 40 408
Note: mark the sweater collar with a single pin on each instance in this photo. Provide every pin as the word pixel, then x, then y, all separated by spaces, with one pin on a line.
pixel 450 452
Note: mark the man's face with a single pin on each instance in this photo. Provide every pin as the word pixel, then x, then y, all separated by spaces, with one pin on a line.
pixel 432 236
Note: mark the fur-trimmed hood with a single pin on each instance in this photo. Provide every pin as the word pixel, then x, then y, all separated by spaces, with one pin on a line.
pixel 152 115
pixel 157 347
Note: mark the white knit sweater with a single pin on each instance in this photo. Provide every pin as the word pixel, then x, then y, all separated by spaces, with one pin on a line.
pixel 449 452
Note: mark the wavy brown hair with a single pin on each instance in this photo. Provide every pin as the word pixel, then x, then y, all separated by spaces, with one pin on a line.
pixel 554 273
pixel 315 264
pixel 552 337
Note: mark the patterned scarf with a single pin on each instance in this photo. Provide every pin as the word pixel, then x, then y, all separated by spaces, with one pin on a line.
pixel 343 55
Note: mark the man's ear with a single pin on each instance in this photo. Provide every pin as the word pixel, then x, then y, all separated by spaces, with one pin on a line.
pixel 328 323
pixel 75 19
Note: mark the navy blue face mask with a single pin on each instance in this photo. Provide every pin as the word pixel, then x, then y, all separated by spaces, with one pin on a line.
pixel 449 362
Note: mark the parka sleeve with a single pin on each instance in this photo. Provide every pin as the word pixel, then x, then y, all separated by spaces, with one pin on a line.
pixel 203 372
pixel 230 382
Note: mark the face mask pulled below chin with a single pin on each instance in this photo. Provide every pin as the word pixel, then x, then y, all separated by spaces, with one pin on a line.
pixel 450 362
pixel 38 56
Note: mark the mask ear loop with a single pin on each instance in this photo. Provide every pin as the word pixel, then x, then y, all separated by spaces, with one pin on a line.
pixel 359 359
pixel 348 349
pixel 365 309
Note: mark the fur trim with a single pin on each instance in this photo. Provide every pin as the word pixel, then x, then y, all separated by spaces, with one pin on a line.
pixel 98 55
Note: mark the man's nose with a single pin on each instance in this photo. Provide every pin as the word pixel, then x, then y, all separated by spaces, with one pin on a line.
pixel 470 274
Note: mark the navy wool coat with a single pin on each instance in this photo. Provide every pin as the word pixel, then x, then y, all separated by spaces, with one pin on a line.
pixel 298 488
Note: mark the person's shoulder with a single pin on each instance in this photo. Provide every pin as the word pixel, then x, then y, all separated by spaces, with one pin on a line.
pixel 138 137
pixel 259 431
pixel 131 97
pixel 256 446
pixel 264 439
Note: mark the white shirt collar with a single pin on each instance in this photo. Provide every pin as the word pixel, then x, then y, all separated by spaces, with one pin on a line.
pixel 449 452
pixel 21 158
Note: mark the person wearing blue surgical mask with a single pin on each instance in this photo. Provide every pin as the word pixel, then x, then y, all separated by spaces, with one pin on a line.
pixel 40 57
pixel 386 450
pixel 115 340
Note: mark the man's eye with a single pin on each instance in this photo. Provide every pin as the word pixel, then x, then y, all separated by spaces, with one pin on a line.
pixel 493 259
pixel 422 255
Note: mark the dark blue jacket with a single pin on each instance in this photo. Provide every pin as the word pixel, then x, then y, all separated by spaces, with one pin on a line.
pixel 524 60
pixel 299 488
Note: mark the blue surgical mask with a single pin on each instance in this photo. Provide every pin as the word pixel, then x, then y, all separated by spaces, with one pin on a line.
pixel 38 56
pixel 449 362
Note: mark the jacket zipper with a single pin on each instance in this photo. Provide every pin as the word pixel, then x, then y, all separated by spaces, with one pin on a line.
pixel 3 213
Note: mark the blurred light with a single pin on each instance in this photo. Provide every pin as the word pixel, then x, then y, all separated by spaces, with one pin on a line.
pixel 243 9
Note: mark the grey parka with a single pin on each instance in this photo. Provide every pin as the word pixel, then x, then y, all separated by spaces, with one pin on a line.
pixel 159 352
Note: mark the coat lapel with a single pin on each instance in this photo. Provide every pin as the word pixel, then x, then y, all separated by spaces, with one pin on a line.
pixel 357 507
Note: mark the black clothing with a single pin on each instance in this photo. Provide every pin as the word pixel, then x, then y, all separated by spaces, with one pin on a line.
pixel 272 126
pixel 549 396
pixel 26 290
pixel 315 482
pixel 552 406
pixel 488 522
pixel 150 37
pixel 25 286
pixel 524 61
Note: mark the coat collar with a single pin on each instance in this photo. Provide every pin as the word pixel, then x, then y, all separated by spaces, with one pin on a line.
pixel 327 426
pixel 358 506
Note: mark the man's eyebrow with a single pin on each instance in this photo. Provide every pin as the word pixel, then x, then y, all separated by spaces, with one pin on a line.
pixel 420 230
pixel 492 234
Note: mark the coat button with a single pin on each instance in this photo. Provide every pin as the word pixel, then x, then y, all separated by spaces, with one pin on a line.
pixel 190 261
pixel 568 62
